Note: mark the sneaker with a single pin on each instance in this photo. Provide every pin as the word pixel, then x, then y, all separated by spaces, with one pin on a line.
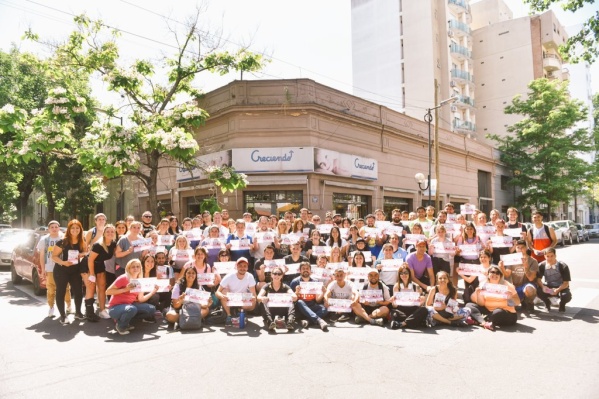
pixel 305 323
pixel 170 326
pixel 562 307
pixel 470 321
pixel 395 325
pixel 272 326
pixel 334 318
pixel 323 325
pixel 69 309
pixel 92 317
pixel 79 316
pixel 379 322
pixel 150 319
pixel 64 321
pixel 489 326
pixel 343 318
pixel 51 312
pixel 360 320
pixel 124 331
pixel 104 314
pixel 290 326
pixel 547 304
pixel 458 323
pixel 130 328
pixel 228 321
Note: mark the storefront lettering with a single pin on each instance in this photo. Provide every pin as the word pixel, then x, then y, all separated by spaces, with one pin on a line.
pixel 255 156
pixel 359 165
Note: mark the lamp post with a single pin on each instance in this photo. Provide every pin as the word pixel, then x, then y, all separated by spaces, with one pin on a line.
pixel 419 177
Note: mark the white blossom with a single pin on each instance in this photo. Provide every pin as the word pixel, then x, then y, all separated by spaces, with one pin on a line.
pixel 59 90
pixel 9 109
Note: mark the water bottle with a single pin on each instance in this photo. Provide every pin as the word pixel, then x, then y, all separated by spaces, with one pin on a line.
pixel 242 319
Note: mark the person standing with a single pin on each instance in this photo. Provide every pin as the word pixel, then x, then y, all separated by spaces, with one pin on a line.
pixel 67 255
pixel 540 237
pixel 147 225
pixel 45 247
pixel 95 279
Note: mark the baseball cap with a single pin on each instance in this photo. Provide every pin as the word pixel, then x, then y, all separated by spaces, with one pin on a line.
pixel 242 259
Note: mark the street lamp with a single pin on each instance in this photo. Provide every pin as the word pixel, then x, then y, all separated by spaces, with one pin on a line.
pixel 428 118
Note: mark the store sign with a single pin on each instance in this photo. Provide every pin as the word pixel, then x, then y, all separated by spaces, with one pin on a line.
pixel 336 163
pixel 204 161
pixel 283 159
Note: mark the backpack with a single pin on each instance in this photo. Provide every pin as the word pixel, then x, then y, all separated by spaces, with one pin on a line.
pixel 190 316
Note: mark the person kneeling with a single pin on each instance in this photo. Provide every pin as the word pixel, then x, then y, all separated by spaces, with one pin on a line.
pixel 373 312
pixel 189 279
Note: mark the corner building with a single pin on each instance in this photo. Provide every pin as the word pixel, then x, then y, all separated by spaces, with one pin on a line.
pixel 303 144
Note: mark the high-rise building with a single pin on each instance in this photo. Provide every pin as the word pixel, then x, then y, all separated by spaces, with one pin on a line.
pixel 508 54
pixel 410 55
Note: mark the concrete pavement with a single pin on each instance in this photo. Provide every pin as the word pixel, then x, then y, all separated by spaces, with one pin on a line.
pixel 546 355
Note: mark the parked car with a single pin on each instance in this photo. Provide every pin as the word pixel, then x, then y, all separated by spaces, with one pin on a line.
pixel 25 263
pixel 569 230
pixel 9 238
pixel 583 234
pixel 558 234
pixel 593 229
pixel 5 226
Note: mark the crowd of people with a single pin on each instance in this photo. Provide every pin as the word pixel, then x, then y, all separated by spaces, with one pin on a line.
pixel 300 269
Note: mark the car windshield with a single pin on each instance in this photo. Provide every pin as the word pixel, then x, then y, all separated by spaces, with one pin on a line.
pixel 12 236
pixel 561 224
pixel 588 226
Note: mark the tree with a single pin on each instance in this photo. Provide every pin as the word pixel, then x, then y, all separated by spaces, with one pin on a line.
pixel 24 86
pixel 542 148
pixel 161 101
pixel 582 46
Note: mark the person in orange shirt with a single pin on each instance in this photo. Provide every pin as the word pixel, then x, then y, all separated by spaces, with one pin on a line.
pixel 540 237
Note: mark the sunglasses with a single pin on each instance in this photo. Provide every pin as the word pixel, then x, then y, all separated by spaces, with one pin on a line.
pixel 147 216
pixel 404 273
pixel 495 272
pixel 277 274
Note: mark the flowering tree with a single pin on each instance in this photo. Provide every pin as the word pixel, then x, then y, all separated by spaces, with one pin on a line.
pixel 161 104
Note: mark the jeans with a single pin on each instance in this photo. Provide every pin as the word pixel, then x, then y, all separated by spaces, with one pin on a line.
pixel 51 290
pixel 124 313
pixel 311 310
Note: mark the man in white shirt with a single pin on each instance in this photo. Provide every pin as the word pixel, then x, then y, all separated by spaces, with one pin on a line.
pixel 45 246
pixel 240 282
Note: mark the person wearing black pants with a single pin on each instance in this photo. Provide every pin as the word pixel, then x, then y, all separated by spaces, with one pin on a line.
pixel 67 255
pixel 403 315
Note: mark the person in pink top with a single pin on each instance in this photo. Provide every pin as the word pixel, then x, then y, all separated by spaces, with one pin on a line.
pixel 124 305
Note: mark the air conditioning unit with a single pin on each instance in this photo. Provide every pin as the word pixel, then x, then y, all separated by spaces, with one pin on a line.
pixel 450 33
pixel 453 83
pixel 454 108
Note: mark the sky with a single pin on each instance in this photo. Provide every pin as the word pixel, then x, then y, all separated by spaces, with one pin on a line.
pixel 307 39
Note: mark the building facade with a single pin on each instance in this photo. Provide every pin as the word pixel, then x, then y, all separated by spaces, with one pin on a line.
pixel 303 144
pixel 411 55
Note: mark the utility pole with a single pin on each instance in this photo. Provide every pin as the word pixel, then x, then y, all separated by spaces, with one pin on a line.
pixel 437 168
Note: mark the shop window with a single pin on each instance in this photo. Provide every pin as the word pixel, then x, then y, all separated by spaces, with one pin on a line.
pixel 194 204
pixel 267 203
pixel 351 206
pixel 165 208
pixel 391 203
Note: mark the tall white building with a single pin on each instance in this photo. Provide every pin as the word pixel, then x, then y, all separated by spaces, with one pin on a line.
pixel 410 55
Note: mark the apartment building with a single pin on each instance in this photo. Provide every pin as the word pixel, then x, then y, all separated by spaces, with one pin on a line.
pixel 411 55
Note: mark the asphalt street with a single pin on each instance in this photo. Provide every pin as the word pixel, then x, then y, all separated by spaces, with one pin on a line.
pixel 546 355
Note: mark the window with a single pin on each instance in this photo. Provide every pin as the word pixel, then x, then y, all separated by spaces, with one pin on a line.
pixel 391 203
pixel 194 204
pixel 350 205
pixel 505 180
pixel 267 203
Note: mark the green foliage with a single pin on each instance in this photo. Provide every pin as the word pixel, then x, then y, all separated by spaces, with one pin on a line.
pixel 583 46
pixel 542 148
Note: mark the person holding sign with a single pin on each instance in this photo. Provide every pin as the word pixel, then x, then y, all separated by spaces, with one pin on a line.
pixel 387 267
pixel 212 244
pixel 421 266
pixel 472 281
pixel 341 289
pixel 284 309
pixel 295 257
pixel 523 276
pixel 315 241
pixel 501 243
pixel 263 269
pixel 407 311
pixel 496 299
pixel 442 302
pixel 240 282
pixel 557 280
pixel 124 305
pixel 240 244
pixel 201 267
pixel 309 302
pixel 189 279
pixel 181 247
pixel 67 255
pixel 125 251
pixel 375 300
pixel 441 253
pixel 101 251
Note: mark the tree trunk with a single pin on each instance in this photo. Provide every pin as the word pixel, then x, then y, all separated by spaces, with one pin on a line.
pixel 47 183
pixel 25 188
pixel 152 185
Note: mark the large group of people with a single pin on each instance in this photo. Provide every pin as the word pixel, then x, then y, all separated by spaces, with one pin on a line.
pixel 300 269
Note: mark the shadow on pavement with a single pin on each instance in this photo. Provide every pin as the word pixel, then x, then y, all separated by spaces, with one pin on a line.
pixel 15 296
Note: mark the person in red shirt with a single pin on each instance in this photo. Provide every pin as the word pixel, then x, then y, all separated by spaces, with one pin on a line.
pixel 540 237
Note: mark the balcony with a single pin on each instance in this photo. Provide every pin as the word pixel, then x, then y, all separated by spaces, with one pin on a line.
pixel 460 52
pixel 565 74
pixel 462 76
pixel 551 62
pixel 459 6
pixel 459 28
pixel 463 126
pixel 465 102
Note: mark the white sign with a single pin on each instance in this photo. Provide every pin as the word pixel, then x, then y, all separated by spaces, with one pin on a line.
pixel 512 259
pixel 206 278
pixel 239 298
pixel 515 232
pixel 281 159
pixel 340 305
pixel 310 287
pixel 147 284
pixel 218 159
pixel 391 265
pixel 444 248
pixel 225 267
pixel 197 296
pixel 496 291
pixel 502 241
pixel 407 298
pixel 371 296
pixel 335 163
pixel 471 269
pixel 279 300
pixel 141 244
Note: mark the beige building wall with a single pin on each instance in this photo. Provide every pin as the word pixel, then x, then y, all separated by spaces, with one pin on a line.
pixel 489 12
pixel 302 113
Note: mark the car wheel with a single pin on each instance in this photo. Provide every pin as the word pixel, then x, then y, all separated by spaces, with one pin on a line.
pixel 562 242
pixel 571 240
pixel 577 239
pixel 14 277
pixel 35 279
